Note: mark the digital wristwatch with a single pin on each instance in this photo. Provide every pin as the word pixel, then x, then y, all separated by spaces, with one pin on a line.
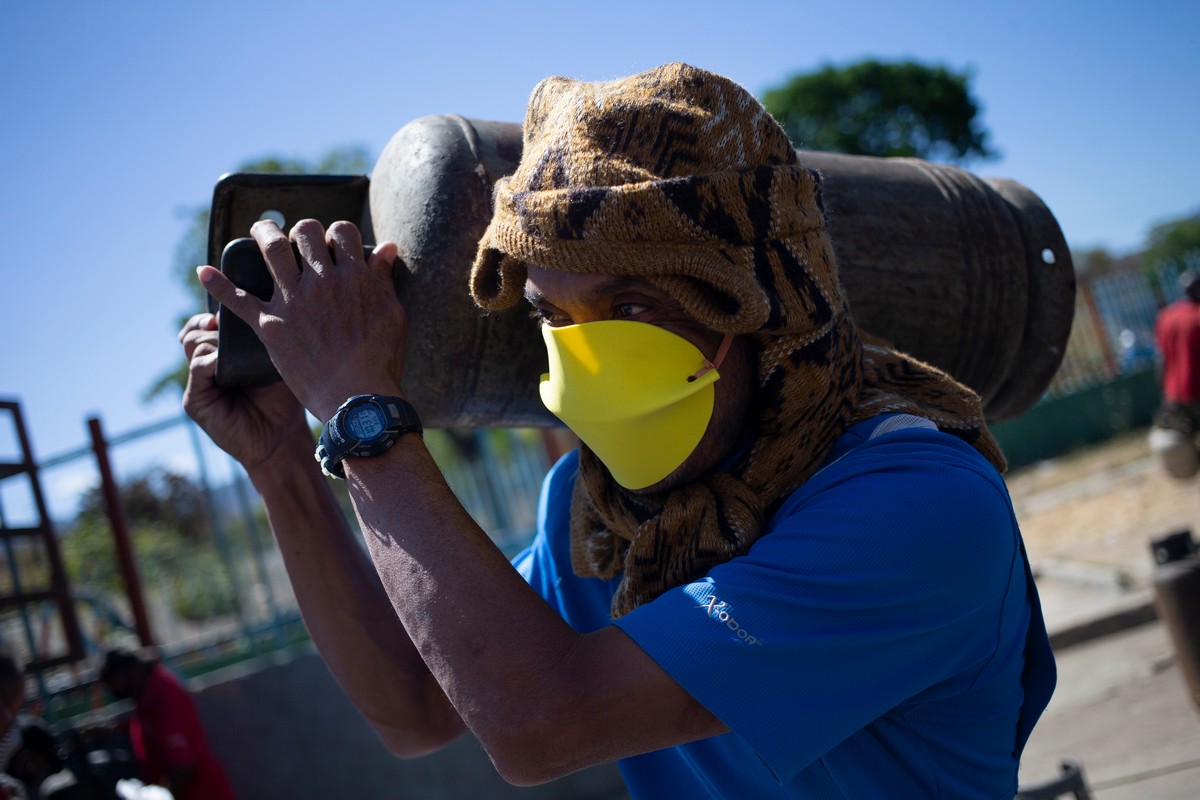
pixel 365 425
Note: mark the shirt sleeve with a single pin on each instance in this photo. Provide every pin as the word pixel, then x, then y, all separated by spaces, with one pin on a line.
pixel 879 581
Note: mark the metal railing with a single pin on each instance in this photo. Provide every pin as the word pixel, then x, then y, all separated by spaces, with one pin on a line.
pixel 225 595
pixel 1113 330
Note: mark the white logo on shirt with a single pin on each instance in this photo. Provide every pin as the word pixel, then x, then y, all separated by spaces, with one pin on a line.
pixel 720 610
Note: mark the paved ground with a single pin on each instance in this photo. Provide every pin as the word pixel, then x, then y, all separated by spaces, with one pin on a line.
pixel 1088 519
pixel 1121 707
pixel 1122 711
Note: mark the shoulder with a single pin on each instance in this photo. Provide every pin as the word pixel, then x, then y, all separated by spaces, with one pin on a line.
pixel 898 454
pixel 166 692
pixel 904 495
pixel 1179 312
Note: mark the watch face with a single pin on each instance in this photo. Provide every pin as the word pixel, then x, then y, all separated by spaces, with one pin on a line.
pixel 365 422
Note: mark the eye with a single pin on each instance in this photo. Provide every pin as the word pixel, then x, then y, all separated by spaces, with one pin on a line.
pixel 548 316
pixel 628 310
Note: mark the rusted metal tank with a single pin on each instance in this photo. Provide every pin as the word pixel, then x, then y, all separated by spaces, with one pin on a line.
pixel 971 275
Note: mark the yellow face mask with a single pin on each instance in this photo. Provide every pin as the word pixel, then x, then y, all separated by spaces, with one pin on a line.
pixel 639 396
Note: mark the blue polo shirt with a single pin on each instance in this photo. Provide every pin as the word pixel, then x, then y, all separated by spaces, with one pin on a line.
pixel 882 639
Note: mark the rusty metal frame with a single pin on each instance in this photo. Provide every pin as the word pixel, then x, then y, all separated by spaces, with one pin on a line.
pixel 59 592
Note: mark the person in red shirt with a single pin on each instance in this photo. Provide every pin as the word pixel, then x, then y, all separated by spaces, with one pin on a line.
pixel 165 731
pixel 12 697
pixel 1173 435
pixel 1177 331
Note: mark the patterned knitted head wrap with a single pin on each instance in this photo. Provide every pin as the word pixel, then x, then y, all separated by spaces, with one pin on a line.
pixel 680 176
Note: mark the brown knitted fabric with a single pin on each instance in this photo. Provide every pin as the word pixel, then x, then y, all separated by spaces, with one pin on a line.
pixel 680 176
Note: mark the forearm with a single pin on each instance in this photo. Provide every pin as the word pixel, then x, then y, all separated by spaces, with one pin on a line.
pixel 346 609
pixel 543 699
pixel 489 639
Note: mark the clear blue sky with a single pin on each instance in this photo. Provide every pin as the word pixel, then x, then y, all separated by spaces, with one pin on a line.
pixel 118 114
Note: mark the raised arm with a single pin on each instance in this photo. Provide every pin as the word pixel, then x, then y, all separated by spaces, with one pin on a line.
pixel 337 588
pixel 543 699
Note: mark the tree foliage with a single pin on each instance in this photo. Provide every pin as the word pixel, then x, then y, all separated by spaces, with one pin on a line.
pixel 156 497
pixel 878 108
pixel 1098 262
pixel 192 248
pixel 170 534
pixel 1175 243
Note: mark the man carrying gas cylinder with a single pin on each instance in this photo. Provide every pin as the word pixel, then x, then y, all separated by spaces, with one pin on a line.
pixel 782 563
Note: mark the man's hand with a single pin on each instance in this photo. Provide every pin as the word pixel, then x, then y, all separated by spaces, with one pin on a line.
pixel 333 327
pixel 249 424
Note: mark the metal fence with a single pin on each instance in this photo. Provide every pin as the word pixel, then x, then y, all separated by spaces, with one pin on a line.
pixel 221 595
pixel 1113 330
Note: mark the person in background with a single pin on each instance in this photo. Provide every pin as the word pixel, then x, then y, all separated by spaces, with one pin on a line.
pixel 167 737
pixel 12 697
pixel 1177 331
pixel 1177 420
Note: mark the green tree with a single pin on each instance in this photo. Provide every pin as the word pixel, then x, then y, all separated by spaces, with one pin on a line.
pixel 155 497
pixel 1175 243
pixel 169 532
pixel 1100 261
pixel 878 108
pixel 192 248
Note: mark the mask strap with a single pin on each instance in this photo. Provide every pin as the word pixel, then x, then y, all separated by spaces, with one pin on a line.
pixel 717 359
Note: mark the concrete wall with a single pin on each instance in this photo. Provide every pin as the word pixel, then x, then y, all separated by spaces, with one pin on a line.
pixel 286 730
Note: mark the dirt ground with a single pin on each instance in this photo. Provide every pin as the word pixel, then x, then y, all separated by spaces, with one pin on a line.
pixel 1089 516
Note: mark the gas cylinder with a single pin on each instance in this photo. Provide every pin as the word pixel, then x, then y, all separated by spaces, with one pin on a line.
pixel 970 275
pixel 1177 598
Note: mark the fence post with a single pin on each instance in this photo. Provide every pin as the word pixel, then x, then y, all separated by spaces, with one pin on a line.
pixel 120 529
